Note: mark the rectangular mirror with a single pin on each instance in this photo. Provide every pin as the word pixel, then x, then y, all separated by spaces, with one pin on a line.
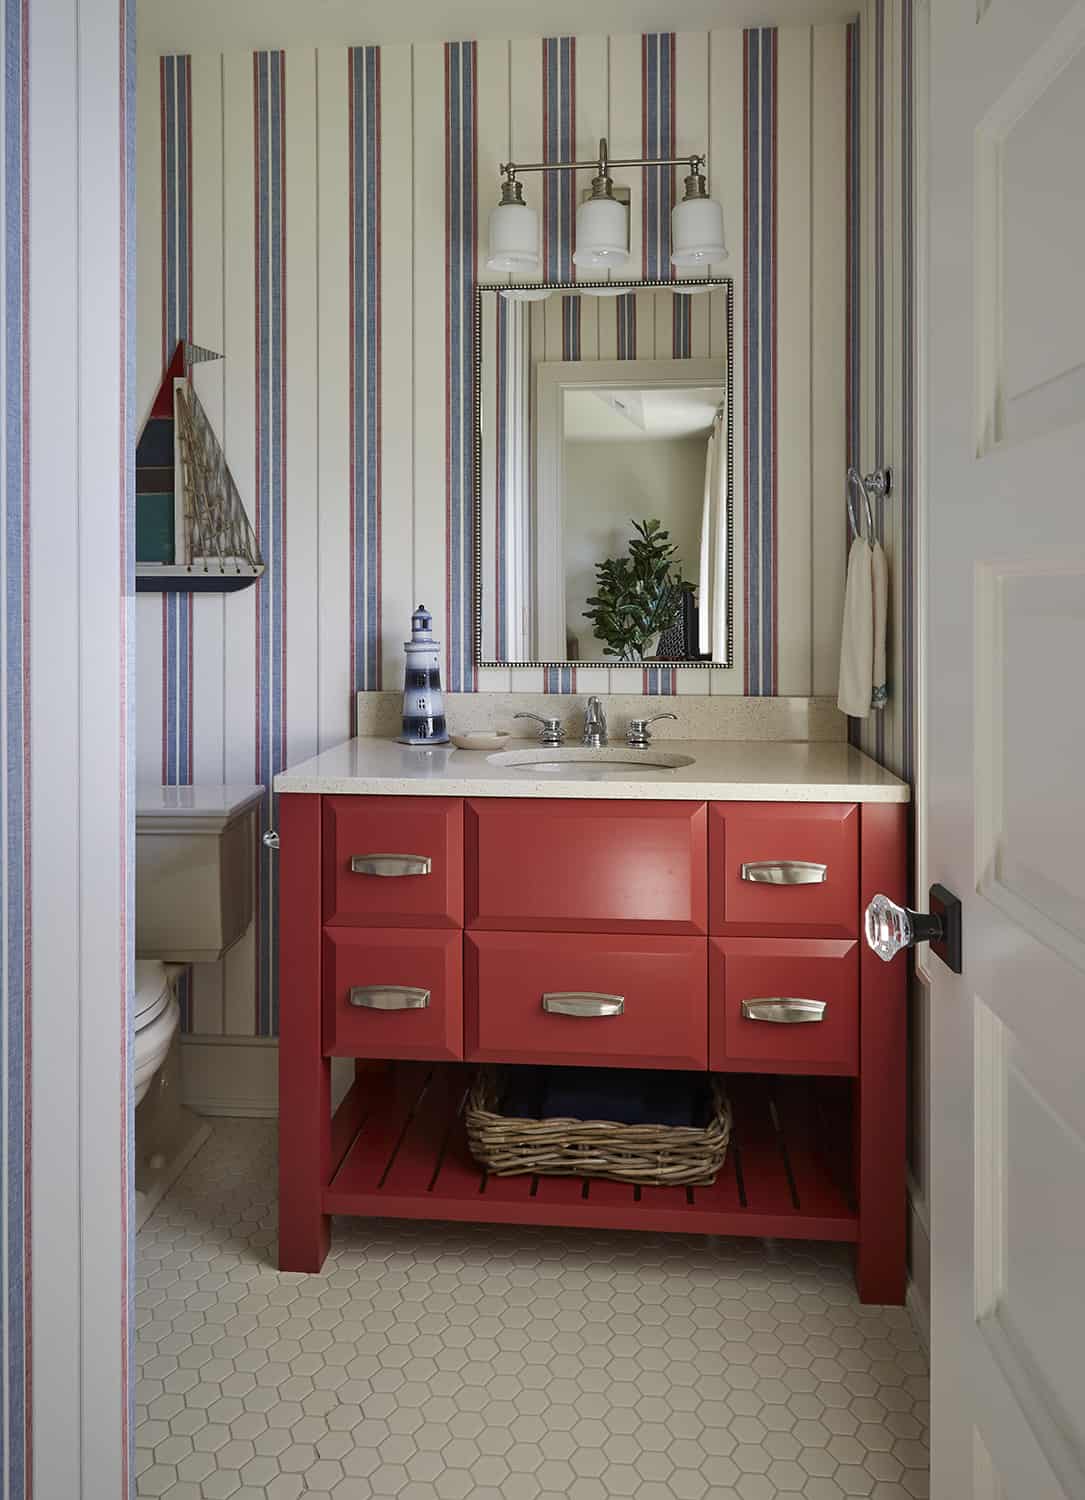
pixel 603 483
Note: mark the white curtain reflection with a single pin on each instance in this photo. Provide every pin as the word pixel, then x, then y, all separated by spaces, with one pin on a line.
pixel 712 584
pixel 513 487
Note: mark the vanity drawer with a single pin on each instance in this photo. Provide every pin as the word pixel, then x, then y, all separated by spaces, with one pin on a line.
pixel 783 1007
pixel 613 1001
pixel 778 868
pixel 393 861
pixel 589 866
pixel 393 994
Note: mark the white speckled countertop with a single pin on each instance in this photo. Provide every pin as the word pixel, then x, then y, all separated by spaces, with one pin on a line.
pixel 722 771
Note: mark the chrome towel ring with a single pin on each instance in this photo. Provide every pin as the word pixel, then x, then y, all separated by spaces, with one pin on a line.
pixel 880 483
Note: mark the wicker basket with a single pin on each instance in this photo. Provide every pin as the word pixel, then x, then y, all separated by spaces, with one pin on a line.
pixel 665 1155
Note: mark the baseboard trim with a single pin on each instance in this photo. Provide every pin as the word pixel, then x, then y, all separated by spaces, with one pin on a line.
pixel 231 1075
pixel 916 1304
pixel 239 1075
pixel 919 1263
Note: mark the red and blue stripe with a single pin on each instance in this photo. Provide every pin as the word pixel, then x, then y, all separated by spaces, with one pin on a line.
pixel 175 91
pixel 559 188
pixel 559 223
pixel 364 86
pixel 760 374
pixel 461 275
pixel 657 139
pixel 658 101
pixel 269 100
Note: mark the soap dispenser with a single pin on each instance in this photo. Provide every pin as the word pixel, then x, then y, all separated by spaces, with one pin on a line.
pixel 423 701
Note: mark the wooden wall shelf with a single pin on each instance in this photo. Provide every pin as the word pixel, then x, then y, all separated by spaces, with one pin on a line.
pixel 168 578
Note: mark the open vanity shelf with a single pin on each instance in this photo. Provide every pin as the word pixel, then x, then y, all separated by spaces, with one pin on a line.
pixel 787 1175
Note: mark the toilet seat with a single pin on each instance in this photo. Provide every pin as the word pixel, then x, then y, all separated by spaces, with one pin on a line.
pixel 157 1016
pixel 152 992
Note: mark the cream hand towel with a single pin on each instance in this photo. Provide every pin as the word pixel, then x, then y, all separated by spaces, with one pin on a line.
pixel 879 569
pixel 857 640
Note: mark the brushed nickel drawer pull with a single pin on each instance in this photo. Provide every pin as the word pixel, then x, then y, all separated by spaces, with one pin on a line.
pixel 391 864
pixel 785 1011
pixel 389 997
pixel 785 872
pixel 583 1003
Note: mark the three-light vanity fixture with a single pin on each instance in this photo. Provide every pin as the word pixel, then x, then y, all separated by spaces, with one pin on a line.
pixel 602 220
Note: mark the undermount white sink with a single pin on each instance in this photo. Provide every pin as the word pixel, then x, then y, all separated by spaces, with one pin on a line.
pixel 581 760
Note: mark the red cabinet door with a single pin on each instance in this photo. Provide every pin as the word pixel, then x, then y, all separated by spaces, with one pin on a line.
pixel 393 861
pixel 783 1006
pixel 591 866
pixel 612 1001
pixel 393 993
pixel 782 868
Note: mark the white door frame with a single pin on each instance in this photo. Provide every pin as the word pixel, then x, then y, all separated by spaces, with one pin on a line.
pixel 80 93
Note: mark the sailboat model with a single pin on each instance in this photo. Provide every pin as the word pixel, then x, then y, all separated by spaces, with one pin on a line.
pixel 192 533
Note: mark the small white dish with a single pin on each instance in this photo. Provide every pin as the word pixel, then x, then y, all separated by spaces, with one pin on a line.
pixel 481 739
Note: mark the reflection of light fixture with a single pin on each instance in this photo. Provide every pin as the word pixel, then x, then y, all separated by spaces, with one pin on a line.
pixel 527 293
pixel 602 221
pixel 514 231
pixel 697 225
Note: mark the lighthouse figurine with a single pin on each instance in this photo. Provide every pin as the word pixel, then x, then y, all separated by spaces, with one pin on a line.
pixel 423 702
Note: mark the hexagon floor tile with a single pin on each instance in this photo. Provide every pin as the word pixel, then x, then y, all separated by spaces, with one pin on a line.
pixel 438 1361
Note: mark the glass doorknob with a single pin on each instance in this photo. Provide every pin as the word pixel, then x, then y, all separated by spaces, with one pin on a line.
pixel 891 928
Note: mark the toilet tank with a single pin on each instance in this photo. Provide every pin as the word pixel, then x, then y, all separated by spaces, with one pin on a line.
pixel 195 869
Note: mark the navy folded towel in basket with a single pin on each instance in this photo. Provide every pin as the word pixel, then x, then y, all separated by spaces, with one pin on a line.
pixel 628 1096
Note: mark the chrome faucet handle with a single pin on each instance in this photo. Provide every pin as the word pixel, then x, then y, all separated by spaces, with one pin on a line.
pixel 639 735
pixel 595 724
pixel 552 731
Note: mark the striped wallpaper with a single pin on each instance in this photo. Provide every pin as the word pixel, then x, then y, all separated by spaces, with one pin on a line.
pixel 883 393
pixel 375 275
pixel 67 379
pixel 15 1318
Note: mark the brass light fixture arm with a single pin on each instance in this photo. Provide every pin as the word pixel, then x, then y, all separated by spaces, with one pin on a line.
pixel 602 164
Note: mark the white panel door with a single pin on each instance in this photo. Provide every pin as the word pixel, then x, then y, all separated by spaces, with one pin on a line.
pixel 1005 795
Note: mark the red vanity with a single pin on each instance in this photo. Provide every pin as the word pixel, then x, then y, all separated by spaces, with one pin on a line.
pixel 428 911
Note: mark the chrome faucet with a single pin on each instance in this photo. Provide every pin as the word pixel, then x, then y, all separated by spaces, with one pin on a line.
pixel 639 734
pixel 595 724
pixel 551 732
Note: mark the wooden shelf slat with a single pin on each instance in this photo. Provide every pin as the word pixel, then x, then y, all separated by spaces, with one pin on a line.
pixel 410 1159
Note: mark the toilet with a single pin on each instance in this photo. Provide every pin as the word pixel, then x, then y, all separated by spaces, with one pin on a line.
pixel 195 884
pixel 157 1017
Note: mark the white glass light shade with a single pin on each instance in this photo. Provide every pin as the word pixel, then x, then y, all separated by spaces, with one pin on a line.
pixel 514 238
pixel 602 234
pixel 697 232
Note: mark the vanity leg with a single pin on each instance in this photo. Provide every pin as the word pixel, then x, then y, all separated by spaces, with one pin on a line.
pixel 882 1084
pixel 304 1072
